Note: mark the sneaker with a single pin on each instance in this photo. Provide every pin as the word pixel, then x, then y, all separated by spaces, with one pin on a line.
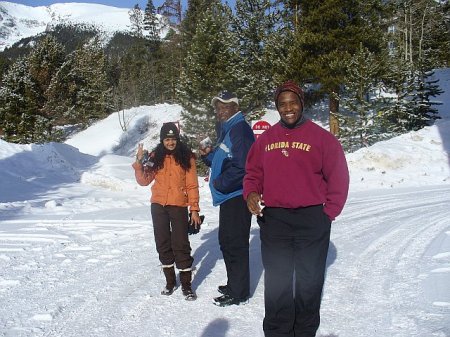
pixel 222 289
pixel 189 295
pixel 227 300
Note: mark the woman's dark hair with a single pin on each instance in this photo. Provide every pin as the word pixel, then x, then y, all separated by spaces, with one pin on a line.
pixel 182 154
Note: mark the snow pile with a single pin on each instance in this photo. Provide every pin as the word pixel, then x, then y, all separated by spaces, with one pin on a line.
pixel 413 159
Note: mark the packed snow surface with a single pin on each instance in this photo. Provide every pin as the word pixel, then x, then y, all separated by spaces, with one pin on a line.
pixel 78 258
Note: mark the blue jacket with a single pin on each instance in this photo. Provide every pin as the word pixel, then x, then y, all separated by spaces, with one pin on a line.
pixel 227 160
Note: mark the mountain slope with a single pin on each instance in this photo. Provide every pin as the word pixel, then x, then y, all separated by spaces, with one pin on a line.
pixel 20 21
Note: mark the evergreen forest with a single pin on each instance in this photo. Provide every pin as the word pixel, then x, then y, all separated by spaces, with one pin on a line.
pixel 370 62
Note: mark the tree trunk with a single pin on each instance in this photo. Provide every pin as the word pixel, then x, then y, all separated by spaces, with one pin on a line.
pixel 334 108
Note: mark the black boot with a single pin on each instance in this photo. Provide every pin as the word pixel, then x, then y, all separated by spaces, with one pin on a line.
pixel 171 282
pixel 223 289
pixel 186 286
pixel 226 300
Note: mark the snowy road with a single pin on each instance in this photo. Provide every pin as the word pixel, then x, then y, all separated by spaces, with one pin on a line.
pixel 96 273
pixel 392 267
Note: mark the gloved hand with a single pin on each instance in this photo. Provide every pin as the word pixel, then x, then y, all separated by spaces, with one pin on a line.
pixel 194 229
pixel 147 159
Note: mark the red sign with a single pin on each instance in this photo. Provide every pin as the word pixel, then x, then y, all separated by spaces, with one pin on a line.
pixel 259 127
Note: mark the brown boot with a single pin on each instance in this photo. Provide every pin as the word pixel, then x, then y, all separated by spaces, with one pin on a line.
pixel 171 282
pixel 186 286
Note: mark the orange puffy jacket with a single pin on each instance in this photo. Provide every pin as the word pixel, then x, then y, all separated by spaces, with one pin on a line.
pixel 173 185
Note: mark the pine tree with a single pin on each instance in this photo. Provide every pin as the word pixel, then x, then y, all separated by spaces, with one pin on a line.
pixel 253 23
pixel 188 26
pixel 168 68
pixel 327 33
pixel 18 97
pixel 278 42
pixel 436 28
pixel 210 67
pixel 194 12
pixel 139 81
pixel 80 92
pixel 136 20
pixel 416 24
pixel 43 62
pixel 151 22
pixel 399 82
pixel 25 93
pixel 4 64
pixel 360 102
pixel 422 31
pixel 424 114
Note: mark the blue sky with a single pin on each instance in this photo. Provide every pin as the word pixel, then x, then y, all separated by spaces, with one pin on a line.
pixel 115 3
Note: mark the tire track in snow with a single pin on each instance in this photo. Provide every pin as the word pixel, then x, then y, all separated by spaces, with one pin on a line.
pixel 385 279
pixel 89 253
pixel 111 286
pixel 373 288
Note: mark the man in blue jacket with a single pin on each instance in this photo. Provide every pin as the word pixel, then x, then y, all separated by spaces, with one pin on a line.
pixel 227 162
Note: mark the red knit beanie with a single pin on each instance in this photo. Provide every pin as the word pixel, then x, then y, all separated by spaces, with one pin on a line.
pixel 290 86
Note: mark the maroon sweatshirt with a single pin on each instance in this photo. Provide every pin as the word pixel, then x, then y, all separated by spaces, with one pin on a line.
pixel 298 167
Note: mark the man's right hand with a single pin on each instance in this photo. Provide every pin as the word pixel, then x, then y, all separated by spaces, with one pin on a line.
pixel 205 150
pixel 254 202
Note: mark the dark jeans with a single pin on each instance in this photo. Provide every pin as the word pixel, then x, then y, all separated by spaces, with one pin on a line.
pixel 294 246
pixel 234 235
pixel 170 226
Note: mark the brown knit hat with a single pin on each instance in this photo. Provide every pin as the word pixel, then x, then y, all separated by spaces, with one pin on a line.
pixel 290 86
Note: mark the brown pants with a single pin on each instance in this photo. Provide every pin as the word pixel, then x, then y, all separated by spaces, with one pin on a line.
pixel 170 226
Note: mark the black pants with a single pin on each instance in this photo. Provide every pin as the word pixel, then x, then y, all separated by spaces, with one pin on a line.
pixel 170 226
pixel 234 235
pixel 294 246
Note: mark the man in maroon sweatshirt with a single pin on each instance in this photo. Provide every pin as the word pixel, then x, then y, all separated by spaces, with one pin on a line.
pixel 298 171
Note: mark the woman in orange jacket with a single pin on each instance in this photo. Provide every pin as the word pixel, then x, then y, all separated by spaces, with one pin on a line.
pixel 171 165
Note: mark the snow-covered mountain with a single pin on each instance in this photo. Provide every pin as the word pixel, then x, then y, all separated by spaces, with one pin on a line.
pixel 19 21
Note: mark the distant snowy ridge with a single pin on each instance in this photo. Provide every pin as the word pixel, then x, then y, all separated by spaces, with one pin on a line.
pixel 19 21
